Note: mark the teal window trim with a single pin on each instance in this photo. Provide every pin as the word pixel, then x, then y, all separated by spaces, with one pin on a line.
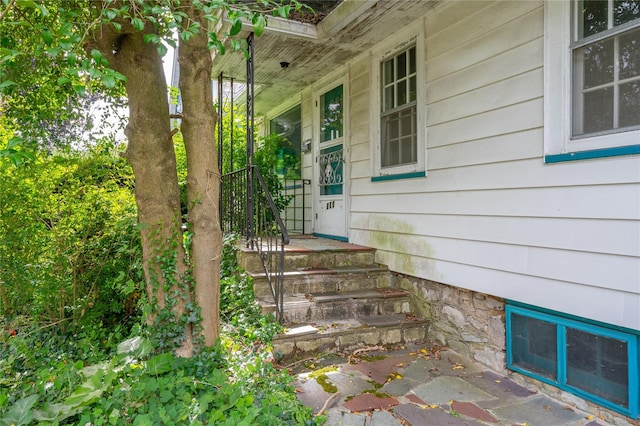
pixel 562 322
pixel 572 317
pixel 398 176
pixel 594 153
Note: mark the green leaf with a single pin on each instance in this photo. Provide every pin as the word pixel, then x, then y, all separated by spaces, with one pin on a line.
pixel 21 413
pixel 84 395
pixel 14 142
pixel 151 38
pixel 259 22
pixel 136 346
pixel 160 364
pixel 138 24
pixel 6 83
pixel 28 4
pixel 63 80
pixel 54 413
pixel 47 36
pixel 236 26
pixel 284 10
pixel 117 26
pixel 79 89
pixel 143 420
pixel 108 80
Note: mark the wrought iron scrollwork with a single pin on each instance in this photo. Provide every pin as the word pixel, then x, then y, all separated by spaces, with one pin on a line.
pixel 330 168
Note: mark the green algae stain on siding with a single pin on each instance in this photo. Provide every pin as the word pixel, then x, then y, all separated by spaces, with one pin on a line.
pixel 404 251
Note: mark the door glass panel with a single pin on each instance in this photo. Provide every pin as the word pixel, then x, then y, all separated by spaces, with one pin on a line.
pixel 331 110
pixel 331 170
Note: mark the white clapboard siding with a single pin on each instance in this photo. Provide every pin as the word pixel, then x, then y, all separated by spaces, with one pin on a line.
pixel 599 303
pixel 517 89
pixel 507 36
pixel 515 61
pixel 579 202
pixel 477 23
pixel 490 216
pixel 614 237
pixel 592 269
pixel 493 149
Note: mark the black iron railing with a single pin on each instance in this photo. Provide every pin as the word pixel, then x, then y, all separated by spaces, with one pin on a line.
pixel 247 209
pixel 294 215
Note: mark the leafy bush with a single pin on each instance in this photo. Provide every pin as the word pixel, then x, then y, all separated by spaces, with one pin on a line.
pixel 50 376
pixel 69 249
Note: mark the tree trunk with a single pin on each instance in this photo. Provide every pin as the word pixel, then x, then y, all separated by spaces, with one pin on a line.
pixel 203 175
pixel 151 154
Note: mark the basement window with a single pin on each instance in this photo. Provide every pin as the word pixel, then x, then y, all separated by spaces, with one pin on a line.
pixel 593 360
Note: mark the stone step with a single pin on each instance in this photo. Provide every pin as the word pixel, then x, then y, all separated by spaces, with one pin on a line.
pixel 340 305
pixel 299 258
pixel 316 280
pixel 349 334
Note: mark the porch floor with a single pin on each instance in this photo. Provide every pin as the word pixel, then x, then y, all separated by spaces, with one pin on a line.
pixel 310 243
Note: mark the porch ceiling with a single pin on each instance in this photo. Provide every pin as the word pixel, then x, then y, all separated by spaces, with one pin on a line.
pixel 313 51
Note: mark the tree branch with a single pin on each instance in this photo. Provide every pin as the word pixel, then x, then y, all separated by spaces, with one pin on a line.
pixel 6 9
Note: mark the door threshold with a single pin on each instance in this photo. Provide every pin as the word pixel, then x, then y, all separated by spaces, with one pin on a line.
pixel 331 237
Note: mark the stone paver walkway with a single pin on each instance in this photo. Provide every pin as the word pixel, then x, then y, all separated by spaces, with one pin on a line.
pixel 422 386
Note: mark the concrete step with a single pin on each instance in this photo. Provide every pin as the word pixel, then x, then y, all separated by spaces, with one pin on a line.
pixel 349 334
pixel 298 258
pixel 341 305
pixel 326 279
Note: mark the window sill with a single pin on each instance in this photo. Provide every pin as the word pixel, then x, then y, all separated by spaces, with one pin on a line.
pixel 398 176
pixel 594 153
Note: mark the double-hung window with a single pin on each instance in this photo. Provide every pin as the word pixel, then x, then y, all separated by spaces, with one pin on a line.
pixel 398 117
pixel 592 78
pixel 606 67
pixel 399 151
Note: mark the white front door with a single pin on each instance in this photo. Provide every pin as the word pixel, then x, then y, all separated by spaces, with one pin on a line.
pixel 329 165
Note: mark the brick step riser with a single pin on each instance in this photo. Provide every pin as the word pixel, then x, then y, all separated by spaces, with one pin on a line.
pixel 341 309
pixel 250 261
pixel 361 337
pixel 321 283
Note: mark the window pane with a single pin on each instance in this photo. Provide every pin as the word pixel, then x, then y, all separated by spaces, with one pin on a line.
pixel 534 345
pixel 598 111
pixel 399 138
pixel 412 60
pixel 389 94
pixel 387 71
pixel 331 115
pixel 402 65
pixel 412 89
pixel 625 11
pixel 594 17
pixel 630 54
pixel 629 104
pixel 598 365
pixel 402 93
pixel 288 127
pixel 598 63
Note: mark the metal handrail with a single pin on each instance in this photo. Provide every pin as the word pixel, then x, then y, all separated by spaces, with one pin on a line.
pixel 247 208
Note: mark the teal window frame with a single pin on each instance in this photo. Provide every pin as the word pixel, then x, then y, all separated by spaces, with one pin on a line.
pixel 564 322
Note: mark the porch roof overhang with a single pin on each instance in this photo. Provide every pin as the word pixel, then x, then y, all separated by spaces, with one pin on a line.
pixel 315 50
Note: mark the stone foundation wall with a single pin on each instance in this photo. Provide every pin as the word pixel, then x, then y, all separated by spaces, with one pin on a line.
pixel 473 324
pixel 470 323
